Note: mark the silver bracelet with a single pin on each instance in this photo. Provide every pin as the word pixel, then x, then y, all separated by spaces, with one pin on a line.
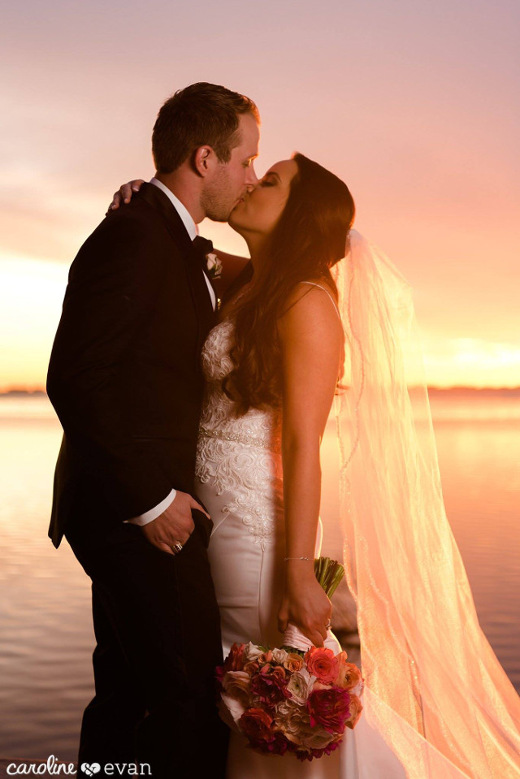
pixel 296 558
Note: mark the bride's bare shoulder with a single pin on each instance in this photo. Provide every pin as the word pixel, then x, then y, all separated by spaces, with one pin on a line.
pixel 322 288
pixel 312 305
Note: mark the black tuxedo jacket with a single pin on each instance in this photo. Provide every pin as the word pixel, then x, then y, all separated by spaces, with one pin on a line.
pixel 124 375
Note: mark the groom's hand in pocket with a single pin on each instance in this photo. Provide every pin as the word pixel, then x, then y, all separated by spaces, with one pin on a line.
pixel 175 525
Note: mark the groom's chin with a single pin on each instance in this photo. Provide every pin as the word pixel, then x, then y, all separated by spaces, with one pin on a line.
pixel 234 226
pixel 222 218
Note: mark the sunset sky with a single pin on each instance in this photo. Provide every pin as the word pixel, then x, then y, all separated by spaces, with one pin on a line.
pixel 413 103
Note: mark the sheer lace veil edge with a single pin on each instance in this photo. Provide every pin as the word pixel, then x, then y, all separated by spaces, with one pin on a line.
pixel 435 689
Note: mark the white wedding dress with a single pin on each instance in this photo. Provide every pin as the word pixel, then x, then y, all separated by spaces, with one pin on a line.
pixel 239 479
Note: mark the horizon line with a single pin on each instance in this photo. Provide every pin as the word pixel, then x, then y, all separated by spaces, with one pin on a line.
pixel 17 390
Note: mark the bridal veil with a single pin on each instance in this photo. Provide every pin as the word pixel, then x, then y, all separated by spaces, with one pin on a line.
pixel 434 687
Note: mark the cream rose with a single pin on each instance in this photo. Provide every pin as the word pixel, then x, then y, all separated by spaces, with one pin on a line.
pixel 279 656
pixel 292 720
pixel 300 685
pixel 252 652
pixel 237 683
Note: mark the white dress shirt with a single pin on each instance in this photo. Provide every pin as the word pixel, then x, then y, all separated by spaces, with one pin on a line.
pixel 192 231
pixel 189 224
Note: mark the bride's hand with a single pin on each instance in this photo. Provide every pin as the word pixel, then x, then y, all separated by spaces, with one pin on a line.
pixel 124 193
pixel 305 605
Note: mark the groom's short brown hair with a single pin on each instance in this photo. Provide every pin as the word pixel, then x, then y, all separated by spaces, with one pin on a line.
pixel 201 114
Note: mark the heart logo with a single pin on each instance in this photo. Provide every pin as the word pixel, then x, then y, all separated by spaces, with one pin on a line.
pixel 90 769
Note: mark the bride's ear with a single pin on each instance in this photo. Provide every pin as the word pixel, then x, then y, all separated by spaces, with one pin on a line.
pixel 204 159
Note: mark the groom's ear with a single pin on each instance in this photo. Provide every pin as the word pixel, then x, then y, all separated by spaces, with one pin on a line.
pixel 204 159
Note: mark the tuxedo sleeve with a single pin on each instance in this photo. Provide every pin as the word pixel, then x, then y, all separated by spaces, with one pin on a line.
pixel 113 285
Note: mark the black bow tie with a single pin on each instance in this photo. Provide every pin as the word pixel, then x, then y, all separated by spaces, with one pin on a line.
pixel 201 248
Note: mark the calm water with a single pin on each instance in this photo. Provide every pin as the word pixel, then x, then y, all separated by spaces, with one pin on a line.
pixel 45 621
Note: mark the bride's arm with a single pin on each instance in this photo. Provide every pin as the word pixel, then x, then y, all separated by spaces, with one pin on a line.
pixel 311 341
pixel 232 264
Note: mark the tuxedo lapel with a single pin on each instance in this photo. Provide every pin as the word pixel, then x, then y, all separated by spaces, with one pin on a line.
pixel 201 297
pixel 198 288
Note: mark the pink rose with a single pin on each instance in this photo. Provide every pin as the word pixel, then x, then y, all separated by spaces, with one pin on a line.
pixel 256 725
pixel 322 663
pixel 278 745
pixel 307 753
pixel 329 708
pixel 269 685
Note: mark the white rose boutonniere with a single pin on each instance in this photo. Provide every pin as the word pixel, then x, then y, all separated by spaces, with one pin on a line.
pixel 213 266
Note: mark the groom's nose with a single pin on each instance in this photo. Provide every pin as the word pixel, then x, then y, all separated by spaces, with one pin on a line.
pixel 251 179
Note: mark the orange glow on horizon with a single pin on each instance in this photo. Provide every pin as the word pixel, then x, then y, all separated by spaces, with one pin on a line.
pixel 30 304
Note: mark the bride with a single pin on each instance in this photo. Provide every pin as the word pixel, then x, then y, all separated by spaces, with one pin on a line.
pixel 319 315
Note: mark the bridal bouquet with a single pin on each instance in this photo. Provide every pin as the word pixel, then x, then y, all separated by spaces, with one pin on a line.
pixel 289 700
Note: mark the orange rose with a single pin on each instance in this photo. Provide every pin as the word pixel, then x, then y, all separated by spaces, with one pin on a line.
pixel 256 724
pixel 322 663
pixel 349 676
pixel 356 708
pixel 293 662
pixel 235 660
pixel 252 667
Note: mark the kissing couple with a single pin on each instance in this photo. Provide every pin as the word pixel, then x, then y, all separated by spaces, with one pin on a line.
pixel 188 482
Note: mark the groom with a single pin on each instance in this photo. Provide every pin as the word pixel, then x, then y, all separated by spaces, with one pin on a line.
pixel 126 383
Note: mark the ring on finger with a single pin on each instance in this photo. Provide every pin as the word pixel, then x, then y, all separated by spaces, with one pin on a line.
pixel 177 546
pixel 328 625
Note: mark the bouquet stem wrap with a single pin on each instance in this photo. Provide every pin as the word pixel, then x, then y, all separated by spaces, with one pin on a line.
pixel 293 637
pixel 329 573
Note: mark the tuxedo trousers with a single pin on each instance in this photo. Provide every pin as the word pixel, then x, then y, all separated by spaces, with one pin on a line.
pixel 158 640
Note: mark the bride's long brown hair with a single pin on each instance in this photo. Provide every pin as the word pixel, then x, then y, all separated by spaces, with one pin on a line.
pixel 309 238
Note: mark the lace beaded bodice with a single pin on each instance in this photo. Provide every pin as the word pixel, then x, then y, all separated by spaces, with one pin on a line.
pixel 238 457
